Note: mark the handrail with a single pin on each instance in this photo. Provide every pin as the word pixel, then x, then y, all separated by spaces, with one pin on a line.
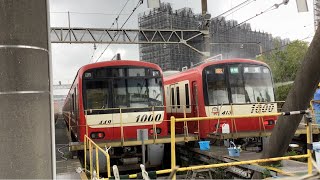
pixel 173 121
pixel 197 167
pixel 92 145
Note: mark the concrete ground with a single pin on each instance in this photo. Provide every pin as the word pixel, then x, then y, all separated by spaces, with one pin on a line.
pixel 65 164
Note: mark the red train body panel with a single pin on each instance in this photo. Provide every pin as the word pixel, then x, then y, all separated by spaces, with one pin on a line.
pixel 222 87
pixel 101 89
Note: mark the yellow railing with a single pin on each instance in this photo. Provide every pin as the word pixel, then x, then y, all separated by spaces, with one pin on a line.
pixel 183 109
pixel 173 121
pixel 92 146
pixel 173 157
pixel 220 165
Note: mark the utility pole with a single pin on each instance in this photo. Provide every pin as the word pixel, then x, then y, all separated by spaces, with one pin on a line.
pixel 205 27
pixel 26 117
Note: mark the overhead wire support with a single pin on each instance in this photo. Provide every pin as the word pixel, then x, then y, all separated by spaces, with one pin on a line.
pixel 87 13
pixel 134 9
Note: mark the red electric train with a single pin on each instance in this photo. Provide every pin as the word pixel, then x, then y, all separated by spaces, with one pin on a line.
pixel 222 87
pixel 107 95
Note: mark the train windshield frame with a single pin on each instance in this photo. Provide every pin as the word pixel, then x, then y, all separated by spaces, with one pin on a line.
pixel 122 87
pixel 237 83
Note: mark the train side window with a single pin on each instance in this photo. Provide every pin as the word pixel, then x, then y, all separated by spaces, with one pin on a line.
pixel 72 102
pixel 178 97
pixel 186 87
pixel 75 100
pixel 172 98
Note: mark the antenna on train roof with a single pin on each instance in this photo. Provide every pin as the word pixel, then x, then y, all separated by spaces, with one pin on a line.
pixel 116 57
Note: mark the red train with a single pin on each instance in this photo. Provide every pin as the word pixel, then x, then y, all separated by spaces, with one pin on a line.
pixel 222 87
pixel 107 94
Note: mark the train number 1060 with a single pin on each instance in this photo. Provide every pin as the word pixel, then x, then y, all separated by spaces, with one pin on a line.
pixel 148 118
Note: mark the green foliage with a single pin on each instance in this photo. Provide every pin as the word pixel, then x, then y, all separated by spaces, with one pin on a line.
pixel 266 174
pixel 284 63
pixel 294 153
pixel 282 92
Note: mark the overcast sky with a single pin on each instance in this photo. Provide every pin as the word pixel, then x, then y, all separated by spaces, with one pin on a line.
pixel 285 22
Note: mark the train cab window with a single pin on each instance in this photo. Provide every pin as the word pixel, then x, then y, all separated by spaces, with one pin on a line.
pixel 134 72
pixel 186 87
pixel 178 97
pixel 258 83
pixel 100 73
pixel 138 93
pixel 119 93
pixel 155 91
pixel 96 94
pixel 118 72
pixel 238 93
pixel 216 86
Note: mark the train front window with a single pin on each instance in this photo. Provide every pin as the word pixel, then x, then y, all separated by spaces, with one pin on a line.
pixel 237 83
pixel 119 93
pixel 145 92
pixel 217 90
pixel 155 92
pixel 238 94
pixel 258 84
pixel 138 93
pixel 97 94
pixel 122 88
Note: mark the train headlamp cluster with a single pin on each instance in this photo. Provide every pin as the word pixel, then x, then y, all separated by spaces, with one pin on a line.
pixel 158 131
pixel 269 122
pixel 97 135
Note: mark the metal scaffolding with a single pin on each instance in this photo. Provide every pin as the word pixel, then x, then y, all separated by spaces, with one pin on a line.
pixel 227 37
pixel 171 56
pixel 232 40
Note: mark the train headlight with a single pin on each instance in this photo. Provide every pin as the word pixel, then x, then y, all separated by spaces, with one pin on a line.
pixel 269 122
pixel 97 135
pixel 158 131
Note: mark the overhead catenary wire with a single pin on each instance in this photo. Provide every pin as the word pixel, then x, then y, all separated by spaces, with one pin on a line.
pixel 113 23
pixel 285 45
pixel 134 9
pixel 234 9
pixel 273 7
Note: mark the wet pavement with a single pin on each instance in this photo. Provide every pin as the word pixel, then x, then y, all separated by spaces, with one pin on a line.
pixel 66 164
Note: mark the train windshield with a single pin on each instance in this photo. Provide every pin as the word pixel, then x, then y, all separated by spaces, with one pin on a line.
pixel 237 83
pixel 122 88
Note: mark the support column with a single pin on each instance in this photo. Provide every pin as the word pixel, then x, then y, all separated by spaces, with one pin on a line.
pixel 25 91
pixel 205 27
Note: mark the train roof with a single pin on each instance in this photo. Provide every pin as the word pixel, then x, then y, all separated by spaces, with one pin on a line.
pixel 200 67
pixel 118 63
